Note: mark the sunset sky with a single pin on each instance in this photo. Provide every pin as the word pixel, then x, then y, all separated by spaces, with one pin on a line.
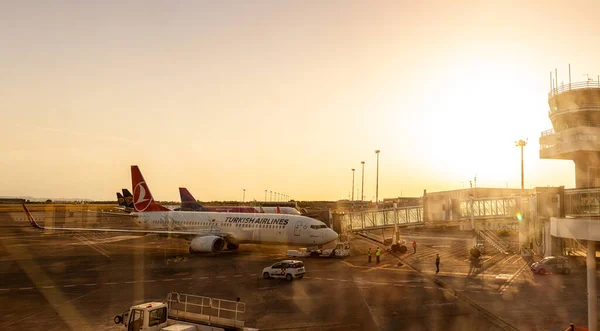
pixel 286 96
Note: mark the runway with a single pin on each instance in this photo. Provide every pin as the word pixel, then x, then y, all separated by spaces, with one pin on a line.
pixel 52 281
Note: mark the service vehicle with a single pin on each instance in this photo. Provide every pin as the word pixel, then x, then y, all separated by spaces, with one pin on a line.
pixel 552 264
pixel 304 252
pixel 288 269
pixel 340 250
pixel 184 312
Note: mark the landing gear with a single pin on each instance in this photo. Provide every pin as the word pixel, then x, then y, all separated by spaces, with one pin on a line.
pixel 231 246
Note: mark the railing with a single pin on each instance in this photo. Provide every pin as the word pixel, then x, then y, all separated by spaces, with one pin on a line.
pixel 573 86
pixel 202 309
pixel 570 125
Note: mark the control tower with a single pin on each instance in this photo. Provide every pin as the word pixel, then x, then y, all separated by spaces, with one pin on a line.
pixel 575 115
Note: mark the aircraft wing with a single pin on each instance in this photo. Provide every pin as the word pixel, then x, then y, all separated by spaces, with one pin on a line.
pixel 179 233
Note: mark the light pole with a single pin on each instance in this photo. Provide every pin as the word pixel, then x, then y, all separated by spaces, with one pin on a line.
pixel 352 184
pixel 377 181
pixel 270 195
pixel 265 195
pixel 521 143
pixel 362 187
pixel 244 196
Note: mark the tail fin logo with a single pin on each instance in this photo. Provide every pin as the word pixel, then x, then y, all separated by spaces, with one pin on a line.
pixel 140 195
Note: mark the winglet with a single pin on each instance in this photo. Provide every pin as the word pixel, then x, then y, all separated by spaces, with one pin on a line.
pixel 31 219
pixel 142 198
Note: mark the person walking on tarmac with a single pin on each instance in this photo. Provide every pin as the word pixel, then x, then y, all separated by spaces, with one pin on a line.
pixel 377 254
pixel 369 254
pixel 437 264
pixel 414 244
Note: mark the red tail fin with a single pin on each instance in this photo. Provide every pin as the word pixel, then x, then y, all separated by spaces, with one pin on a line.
pixel 142 198
pixel 278 210
pixel 30 218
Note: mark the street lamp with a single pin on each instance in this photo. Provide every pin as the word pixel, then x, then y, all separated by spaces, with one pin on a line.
pixel 265 195
pixel 244 196
pixel 377 181
pixel 352 184
pixel 521 143
pixel 270 195
pixel 362 187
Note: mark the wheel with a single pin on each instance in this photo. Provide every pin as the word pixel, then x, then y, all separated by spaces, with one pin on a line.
pixel 231 246
pixel 567 271
pixel 289 277
pixel 266 275
pixel 314 254
pixel 301 276
pixel 541 272
pixel 118 319
pixel 403 249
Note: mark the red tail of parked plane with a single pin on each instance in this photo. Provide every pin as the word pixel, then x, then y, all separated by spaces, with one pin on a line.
pixel 142 198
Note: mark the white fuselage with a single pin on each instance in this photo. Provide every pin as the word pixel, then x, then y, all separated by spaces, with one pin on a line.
pixel 242 227
pixel 282 210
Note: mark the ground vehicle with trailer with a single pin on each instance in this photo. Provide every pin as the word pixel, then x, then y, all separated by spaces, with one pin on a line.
pixel 184 312
pixel 340 250
pixel 288 269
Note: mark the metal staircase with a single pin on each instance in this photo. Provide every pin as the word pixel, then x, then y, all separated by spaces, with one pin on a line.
pixel 491 238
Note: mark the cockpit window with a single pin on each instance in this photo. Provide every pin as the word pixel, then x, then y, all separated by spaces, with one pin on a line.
pixel 322 226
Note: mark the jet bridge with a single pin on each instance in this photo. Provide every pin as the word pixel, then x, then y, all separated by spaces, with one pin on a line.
pixel 486 208
pixel 382 219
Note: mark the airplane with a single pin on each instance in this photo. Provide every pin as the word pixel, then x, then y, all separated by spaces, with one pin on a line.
pixel 121 201
pixel 189 203
pixel 128 199
pixel 208 231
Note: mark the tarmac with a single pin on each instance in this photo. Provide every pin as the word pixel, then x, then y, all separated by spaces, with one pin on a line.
pixel 80 281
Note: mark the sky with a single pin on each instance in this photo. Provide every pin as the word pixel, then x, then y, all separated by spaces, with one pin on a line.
pixel 284 96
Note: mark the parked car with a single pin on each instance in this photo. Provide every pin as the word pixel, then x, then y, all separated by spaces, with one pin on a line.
pixel 288 269
pixel 552 264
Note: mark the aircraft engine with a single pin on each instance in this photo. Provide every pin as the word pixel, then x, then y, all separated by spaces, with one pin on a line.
pixel 207 244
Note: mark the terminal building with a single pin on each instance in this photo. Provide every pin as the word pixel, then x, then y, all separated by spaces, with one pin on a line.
pixel 548 220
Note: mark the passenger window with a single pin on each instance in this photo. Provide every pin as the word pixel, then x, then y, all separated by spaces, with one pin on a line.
pixel 276 266
pixel 158 316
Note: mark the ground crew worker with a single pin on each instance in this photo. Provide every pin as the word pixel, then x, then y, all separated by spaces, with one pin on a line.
pixel 369 254
pixel 377 254
pixel 437 264
pixel 414 244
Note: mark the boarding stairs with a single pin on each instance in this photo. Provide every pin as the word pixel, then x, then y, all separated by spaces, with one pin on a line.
pixel 491 238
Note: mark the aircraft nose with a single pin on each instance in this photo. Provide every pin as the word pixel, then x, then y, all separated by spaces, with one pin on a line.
pixel 331 235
